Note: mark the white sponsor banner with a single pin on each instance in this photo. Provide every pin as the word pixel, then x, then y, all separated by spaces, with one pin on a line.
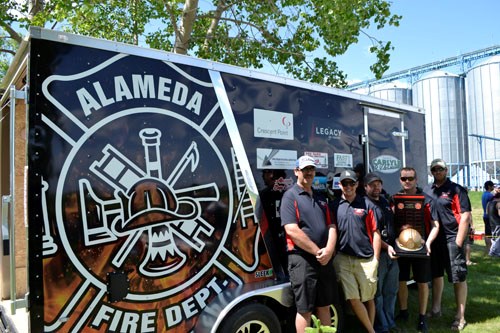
pixel 321 159
pixel 272 124
pixel 276 159
pixel 342 160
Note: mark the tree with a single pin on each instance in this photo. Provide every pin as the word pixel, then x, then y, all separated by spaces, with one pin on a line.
pixel 300 37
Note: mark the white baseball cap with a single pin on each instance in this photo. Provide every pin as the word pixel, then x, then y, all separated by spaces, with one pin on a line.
pixel 305 161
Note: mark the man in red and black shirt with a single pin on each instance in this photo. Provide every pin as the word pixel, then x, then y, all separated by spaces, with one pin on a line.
pixel 419 267
pixel 358 248
pixel 311 238
pixel 451 206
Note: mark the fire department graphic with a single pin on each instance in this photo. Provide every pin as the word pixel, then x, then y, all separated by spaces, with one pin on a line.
pixel 146 214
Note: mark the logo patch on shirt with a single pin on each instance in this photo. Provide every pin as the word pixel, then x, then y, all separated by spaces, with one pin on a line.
pixel 445 195
pixel 359 211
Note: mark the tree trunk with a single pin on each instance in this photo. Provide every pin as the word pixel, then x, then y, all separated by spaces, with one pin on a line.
pixel 183 34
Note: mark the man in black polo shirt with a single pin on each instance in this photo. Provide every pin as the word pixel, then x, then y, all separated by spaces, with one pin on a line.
pixel 358 249
pixel 311 238
pixel 388 270
pixel 451 206
pixel 419 267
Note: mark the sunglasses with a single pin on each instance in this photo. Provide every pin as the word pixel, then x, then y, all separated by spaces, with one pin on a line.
pixel 403 179
pixel 437 169
pixel 348 183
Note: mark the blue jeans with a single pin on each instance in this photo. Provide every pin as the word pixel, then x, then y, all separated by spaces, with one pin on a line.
pixel 387 291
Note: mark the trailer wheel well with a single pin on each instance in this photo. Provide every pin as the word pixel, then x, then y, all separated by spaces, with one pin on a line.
pixel 274 309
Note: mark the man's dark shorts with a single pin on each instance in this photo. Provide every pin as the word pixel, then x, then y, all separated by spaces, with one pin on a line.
pixel 313 285
pixel 452 259
pixel 487 226
pixel 458 263
pixel 421 268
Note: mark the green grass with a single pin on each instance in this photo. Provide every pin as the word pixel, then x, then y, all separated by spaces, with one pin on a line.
pixel 483 303
pixel 477 210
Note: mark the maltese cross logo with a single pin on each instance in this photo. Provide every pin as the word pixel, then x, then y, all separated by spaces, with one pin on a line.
pixel 146 207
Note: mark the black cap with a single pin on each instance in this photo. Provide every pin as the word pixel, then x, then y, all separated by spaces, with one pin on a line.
pixel 371 177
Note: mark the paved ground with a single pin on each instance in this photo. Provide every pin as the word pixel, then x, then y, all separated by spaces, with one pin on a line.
pixel 17 323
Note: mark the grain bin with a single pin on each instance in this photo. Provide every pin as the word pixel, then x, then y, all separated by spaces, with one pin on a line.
pixel 396 91
pixel 442 95
pixel 483 104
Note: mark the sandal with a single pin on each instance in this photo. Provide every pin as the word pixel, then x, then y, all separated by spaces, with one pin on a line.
pixel 432 314
pixel 458 325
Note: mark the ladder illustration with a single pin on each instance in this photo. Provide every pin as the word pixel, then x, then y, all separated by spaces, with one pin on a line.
pixel 245 208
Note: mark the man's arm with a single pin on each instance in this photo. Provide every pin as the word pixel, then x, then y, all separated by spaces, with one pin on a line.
pixel 377 244
pixel 463 228
pixel 300 239
pixel 325 254
pixel 432 236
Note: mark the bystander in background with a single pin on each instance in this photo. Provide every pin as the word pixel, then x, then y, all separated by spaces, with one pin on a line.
pixel 485 198
pixel 493 209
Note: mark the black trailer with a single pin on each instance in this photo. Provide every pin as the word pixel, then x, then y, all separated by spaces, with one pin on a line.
pixel 149 183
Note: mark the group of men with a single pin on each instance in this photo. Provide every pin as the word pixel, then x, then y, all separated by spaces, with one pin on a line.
pixel 352 240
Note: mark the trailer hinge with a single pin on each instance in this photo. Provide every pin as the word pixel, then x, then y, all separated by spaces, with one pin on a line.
pixel 19 304
pixel 19 94
pixel 362 139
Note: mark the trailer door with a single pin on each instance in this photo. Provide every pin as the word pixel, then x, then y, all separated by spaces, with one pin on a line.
pixel 385 146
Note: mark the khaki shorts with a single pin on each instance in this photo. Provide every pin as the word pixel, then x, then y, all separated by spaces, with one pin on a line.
pixel 357 276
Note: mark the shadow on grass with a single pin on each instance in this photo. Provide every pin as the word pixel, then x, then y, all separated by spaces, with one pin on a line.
pixel 483 303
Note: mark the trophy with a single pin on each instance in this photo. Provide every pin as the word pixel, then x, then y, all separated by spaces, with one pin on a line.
pixel 411 233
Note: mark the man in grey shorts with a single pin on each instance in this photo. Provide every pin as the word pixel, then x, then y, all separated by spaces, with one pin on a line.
pixel 451 206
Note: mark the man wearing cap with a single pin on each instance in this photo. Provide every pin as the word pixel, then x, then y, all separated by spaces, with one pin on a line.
pixel 358 249
pixel 451 206
pixel 485 198
pixel 311 238
pixel 493 209
pixel 388 271
pixel 419 267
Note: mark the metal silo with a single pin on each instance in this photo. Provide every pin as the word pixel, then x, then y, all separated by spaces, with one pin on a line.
pixel 442 95
pixel 483 105
pixel 393 91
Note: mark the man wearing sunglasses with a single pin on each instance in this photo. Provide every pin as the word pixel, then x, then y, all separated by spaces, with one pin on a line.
pixel 311 238
pixel 358 249
pixel 451 206
pixel 420 267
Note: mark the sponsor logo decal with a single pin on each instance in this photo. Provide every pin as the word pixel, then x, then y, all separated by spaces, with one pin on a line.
pixel 386 164
pixel 273 124
pixel 342 160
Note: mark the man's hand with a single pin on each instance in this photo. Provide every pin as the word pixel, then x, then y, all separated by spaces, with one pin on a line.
pixel 428 247
pixel 323 256
pixel 391 252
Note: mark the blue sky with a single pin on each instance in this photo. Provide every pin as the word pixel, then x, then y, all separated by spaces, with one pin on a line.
pixel 430 30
